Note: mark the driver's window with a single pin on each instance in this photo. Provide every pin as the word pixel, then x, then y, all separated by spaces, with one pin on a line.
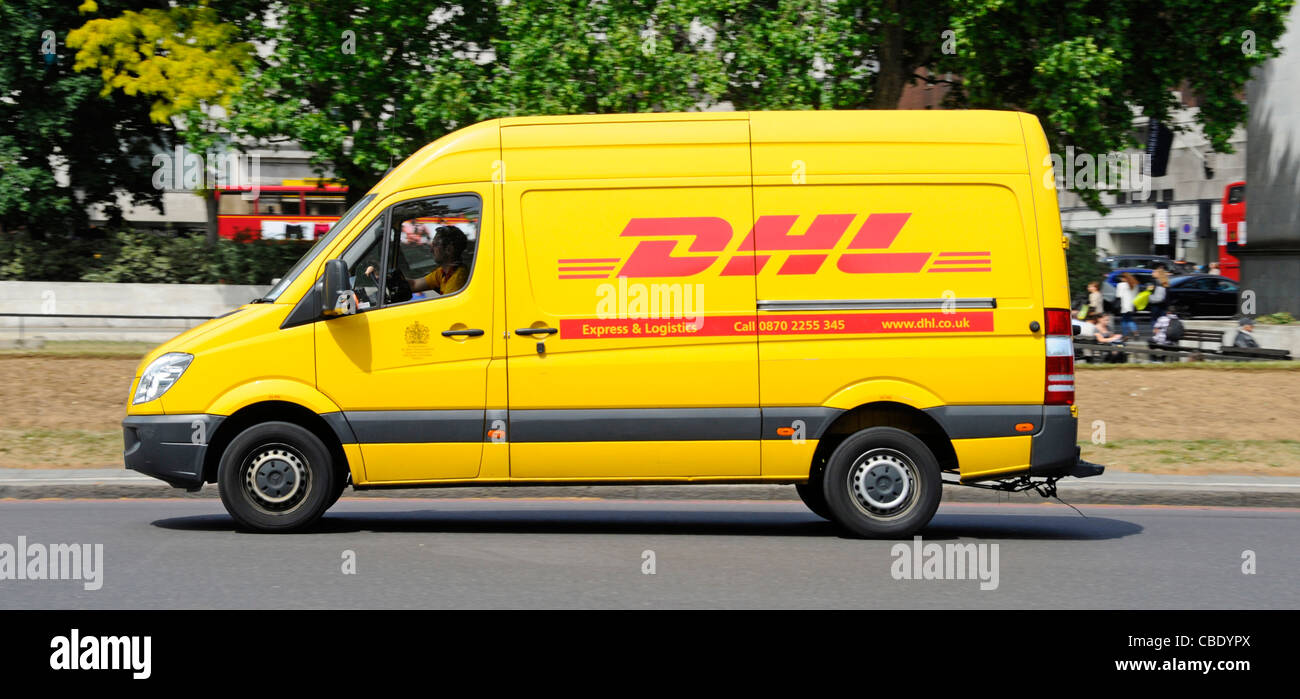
pixel 433 243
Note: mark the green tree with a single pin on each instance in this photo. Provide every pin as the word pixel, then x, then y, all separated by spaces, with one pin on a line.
pixel 577 56
pixel 186 59
pixel 1082 266
pixel 63 147
pixel 363 87
pixel 1083 67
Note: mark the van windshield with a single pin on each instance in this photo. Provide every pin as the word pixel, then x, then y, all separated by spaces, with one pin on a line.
pixel 321 243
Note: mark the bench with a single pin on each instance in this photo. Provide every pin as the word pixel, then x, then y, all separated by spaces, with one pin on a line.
pixel 1256 353
pixel 1089 350
pixel 1214 337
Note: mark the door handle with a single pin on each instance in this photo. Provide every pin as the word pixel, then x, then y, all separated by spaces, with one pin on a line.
pixel 541 346
pixel 470 332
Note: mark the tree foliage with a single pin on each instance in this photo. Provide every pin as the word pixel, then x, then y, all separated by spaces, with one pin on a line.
pixel 363 85
pixel 63 146
pixel 182 57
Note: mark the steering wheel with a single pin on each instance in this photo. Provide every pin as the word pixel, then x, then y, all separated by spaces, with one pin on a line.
pixel 397 289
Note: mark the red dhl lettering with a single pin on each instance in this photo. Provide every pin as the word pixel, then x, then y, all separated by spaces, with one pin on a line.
pixel 706 239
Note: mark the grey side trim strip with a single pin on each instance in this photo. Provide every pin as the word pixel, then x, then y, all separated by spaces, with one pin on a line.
pixel 976 421
pixel 634 425
pixel 339 423
pixel 876 304
pixel 416 426
pixel 815 419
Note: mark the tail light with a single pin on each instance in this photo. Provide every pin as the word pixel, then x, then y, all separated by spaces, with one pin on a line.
pixel 1059 387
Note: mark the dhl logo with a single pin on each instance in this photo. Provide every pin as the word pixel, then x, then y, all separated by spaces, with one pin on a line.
pixel 804 253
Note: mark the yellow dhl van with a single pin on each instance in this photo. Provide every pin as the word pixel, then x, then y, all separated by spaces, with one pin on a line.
pixel 864 304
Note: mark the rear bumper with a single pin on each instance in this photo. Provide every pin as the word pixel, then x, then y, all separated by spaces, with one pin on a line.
pixel 1054 452
pixel 170 448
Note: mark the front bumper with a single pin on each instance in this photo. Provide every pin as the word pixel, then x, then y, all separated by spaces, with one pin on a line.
pixel 170 448
pixel 1054 451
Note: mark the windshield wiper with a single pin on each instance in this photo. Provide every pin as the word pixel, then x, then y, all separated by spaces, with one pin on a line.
pixel 264 299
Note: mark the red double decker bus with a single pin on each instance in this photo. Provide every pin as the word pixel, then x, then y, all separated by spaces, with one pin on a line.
pixel 292 210
pixel 1234 221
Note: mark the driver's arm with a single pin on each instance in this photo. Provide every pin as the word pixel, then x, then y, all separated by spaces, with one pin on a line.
pixel 417 284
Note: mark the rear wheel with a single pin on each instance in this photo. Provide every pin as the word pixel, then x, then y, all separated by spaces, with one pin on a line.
pixel 882 482
pixel 277 477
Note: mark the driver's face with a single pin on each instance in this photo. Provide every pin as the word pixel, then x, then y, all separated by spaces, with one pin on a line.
pixel 442 250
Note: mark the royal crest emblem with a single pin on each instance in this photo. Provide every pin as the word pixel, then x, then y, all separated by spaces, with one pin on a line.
pixel 417 333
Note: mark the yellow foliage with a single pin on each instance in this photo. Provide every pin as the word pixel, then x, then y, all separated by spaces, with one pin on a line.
pixel 182 57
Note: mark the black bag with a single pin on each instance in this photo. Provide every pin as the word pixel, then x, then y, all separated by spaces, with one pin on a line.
pixel 1174 332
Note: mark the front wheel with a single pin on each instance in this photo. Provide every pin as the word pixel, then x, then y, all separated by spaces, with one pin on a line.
pixel 882 483
pixel 276 477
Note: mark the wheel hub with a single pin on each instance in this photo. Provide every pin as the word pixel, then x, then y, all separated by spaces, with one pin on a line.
pixel 883 480
pixel 276 476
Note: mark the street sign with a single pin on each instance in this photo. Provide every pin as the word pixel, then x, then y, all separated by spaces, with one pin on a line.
pixel 1162 227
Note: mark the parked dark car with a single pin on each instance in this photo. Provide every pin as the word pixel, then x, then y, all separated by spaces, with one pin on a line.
pixel 1205 295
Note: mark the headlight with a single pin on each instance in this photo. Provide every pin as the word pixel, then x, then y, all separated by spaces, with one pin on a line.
pixel 160 375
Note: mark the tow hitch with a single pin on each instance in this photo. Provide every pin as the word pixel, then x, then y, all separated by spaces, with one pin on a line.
pixel 1044 486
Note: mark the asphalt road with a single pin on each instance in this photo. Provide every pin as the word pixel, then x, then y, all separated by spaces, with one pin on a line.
pixel 587 553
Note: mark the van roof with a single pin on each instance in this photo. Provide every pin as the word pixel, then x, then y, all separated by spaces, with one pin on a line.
pixel 876 125
pixel 876 141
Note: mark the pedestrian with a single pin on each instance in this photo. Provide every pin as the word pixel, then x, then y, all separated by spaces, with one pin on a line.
pixel 1166 331
pixel 1214 268
pixel 1125 290
pixel 1089 326
pixel 1245 339
pixel 1159 293
pixel 1105 336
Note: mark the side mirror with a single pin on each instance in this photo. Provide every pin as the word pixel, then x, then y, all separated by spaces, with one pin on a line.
pixel 336 295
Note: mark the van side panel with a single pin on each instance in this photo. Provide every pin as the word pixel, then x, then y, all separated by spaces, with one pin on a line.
pixel 616 237
pixel 894 255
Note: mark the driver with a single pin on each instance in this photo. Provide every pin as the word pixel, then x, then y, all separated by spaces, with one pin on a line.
pixel 449 243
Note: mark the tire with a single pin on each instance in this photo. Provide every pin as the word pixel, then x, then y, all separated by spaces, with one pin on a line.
pixel 338 492
pixel 277 477
pixel 813 495
pixel 902 495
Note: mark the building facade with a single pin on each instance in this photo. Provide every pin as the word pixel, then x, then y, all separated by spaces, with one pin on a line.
pixel 1270 259
pixel 1195 177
